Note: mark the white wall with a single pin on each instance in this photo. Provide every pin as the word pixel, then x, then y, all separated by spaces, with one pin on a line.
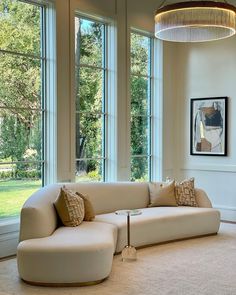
pixel 169 109
pixel 64 168
pixel 207 70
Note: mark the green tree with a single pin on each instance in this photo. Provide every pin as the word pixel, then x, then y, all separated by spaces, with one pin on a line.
pixel 139 105
pixel 89 92
pixel 20 79
pixel 13 139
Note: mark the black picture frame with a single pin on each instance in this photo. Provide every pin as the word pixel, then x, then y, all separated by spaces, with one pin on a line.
pixel 208 126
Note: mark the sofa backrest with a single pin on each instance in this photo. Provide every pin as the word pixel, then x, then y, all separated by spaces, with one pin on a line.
pixel 39 218
pixel 109 197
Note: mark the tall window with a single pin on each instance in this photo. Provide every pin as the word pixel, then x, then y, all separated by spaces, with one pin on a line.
pixel 141 105
pixel 91 99
pixel 22 101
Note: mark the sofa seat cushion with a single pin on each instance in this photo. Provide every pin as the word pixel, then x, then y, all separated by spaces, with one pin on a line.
pixel 69 255
pixel 161 224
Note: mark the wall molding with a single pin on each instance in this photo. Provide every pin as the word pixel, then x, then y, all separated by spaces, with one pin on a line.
pixel 211 167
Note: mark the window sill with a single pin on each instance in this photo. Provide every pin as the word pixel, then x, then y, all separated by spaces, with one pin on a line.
pixel 9 236
pixel 9 225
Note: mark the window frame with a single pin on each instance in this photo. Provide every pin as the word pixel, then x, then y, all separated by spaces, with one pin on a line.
pixel 104 112
pixel 42 57
pixel 9 227
pixel 150 96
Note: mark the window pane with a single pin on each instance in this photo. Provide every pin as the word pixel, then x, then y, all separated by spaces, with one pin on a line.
pixel 90 98
pixel 139 96
pixel 139 54
pixel 17 183
pixel 90 170
pixel 88 136
pixel 139 135
pixel 21 93
pixel 139 169
pixel 20 135
pixel 88 42
pixel 90 90
pixel 20 81
pixel 20 27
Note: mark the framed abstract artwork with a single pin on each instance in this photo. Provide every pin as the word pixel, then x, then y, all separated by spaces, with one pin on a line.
pixel 208 131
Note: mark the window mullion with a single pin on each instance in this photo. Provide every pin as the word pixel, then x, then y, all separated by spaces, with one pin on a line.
pixel 139 75
pixel 90 158
pixel 91 67
pixel 150 108
pixel 91 113
pixel 19 108
pixel 104 104
pixel 22 162
pixel 140 156
pixel 27 55
pixel 43 89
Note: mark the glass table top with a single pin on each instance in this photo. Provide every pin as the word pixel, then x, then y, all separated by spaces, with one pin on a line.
pixel 129 212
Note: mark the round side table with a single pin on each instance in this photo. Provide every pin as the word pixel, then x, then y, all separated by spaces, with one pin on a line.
pixel 129 252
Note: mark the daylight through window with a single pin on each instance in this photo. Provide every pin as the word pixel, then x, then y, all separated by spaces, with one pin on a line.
pixel 141 103
pixel 22 101
pixel 91 101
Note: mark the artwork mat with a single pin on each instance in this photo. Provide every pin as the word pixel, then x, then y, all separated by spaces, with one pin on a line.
pixel 194 107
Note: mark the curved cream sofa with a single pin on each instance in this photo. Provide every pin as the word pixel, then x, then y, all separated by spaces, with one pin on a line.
pixel 49 254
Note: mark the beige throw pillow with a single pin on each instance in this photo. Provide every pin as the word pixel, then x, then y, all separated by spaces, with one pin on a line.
pixel 162 194
pixel 185 193
pixel 88 208
pixel 70 207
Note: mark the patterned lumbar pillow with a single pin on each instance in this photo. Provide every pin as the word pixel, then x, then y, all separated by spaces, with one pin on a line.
pixel 88 207
pixel 70 207
pixel 185 193
pixel 162 194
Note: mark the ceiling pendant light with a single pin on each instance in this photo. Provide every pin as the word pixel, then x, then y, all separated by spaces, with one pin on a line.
pixel 195 21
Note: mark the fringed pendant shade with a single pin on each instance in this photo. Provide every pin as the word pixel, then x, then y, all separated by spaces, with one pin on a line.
pixel 195 21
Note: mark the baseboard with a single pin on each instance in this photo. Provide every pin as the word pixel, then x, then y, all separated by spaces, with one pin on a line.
pixel 9 237
pixel 8 244
pixel 8 258
pixel 226 221
pixel 227 213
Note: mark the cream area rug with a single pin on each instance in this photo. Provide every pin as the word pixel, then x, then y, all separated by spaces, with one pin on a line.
pixel 191 267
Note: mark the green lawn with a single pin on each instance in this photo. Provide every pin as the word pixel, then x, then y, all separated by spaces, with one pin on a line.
pixel 13 194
